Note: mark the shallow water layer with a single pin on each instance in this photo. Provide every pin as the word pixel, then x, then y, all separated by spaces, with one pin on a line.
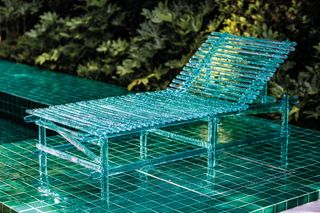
pixel 250 175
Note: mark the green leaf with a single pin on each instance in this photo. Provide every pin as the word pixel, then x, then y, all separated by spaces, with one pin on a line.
pixel 104 47
pixel 196 23
pixel 41 59
pixel 96 3
pixel 127 67
pixel 136 82
pixel 160 14
pixel 122 70
pixel 118 46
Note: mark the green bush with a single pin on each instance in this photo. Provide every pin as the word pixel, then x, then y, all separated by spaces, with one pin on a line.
pixel 143 44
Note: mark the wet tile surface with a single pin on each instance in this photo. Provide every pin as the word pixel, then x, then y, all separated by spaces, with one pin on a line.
pixel 49 88
pixel 24 87
pixel 11 131
pixel 248 177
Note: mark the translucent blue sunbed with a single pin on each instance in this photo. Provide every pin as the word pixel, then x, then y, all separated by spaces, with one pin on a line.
pixel 224 77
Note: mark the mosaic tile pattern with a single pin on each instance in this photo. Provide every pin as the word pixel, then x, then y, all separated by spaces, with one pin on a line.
pixel 248 178
pixel 17 78
pixel 11 131
pixel 15 106
pixel 45 88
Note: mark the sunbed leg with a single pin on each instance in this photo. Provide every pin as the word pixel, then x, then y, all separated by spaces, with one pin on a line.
pixel 284 152
pixel 143 144
pixel 284 131
pixel 104 163
pixel 43 158
pixel 212 140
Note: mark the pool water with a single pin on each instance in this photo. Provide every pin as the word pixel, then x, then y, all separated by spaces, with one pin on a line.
pixel 250 176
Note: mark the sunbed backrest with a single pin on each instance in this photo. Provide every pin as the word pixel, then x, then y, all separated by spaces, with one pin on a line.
pixel 232 68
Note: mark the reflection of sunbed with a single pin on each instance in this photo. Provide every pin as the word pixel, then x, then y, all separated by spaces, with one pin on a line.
pixel 223 77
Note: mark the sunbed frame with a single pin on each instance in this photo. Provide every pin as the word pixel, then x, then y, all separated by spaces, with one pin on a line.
pixel 223 78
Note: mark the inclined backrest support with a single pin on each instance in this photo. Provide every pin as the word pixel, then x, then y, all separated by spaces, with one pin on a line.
pixel 232 68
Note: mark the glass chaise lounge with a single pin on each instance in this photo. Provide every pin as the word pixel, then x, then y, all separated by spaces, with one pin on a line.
pixel 224 77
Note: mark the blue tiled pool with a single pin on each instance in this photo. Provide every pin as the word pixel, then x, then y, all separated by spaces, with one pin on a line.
pixel 249 177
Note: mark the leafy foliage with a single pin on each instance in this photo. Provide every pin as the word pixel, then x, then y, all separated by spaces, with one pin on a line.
pixel 143 44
